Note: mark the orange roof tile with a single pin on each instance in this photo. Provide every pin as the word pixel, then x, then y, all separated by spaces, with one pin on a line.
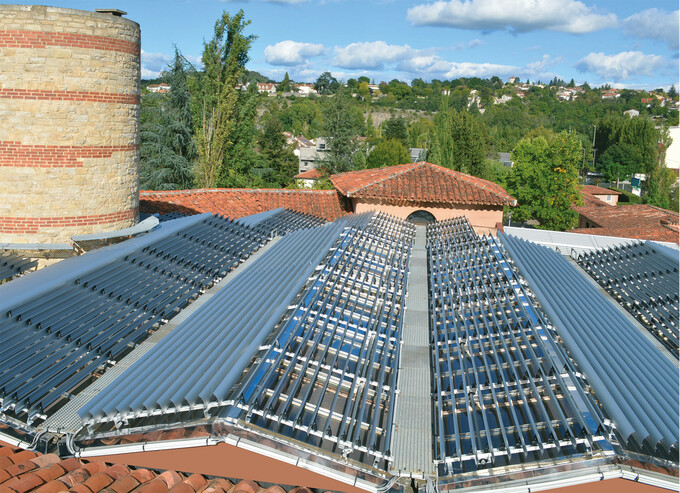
pixel 22 471
pixel 310 174
pixel 420 182
pixel 639 221
pixel 236 202
pixel 594 190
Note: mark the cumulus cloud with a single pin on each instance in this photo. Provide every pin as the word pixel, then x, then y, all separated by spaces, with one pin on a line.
pixel 291 53
pixel 435 66
pixel 622 65
pixel 654 24
pixel 153 63
pixel 519 16
pixel 370 55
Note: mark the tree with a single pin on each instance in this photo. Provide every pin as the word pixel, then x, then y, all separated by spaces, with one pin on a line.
pixel 340 130
pixel 395 129
pixel 388 153
pixel 544 179
pixel 216 99
pixel 276 151
pixel 458 141
pixel 284 85
pixel 672 93
pixel 167 146
pixel 326 84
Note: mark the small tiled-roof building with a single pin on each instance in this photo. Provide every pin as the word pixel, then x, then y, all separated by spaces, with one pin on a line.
pixel 425 190
pixel 415 191
pixel 606 195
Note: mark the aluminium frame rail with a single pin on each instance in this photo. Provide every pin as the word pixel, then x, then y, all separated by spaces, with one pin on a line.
pixel 644 282
pixel 636 384
pixel 502 391
pixel 328 377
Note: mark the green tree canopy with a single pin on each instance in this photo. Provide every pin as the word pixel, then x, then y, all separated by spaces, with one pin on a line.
pixel 215 101
pixel 544 179
pixel 458 141
pixel 395 129
pixel 284 85
pixel 340 128
pixel 167 146
pixel 326 84
pixel 389 152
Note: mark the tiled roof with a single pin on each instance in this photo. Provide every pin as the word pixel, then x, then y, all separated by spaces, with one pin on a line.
pixel 640 221
pixel 238 202
pixel 23 471
pixel 420 182
pixel 667 233
pixel 627 216
pixel 310 174
pixel 593 190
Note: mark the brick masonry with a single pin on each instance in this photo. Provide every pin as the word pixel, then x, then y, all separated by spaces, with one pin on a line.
pixel 69 123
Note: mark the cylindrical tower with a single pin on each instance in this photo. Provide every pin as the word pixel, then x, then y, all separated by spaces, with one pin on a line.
pixel 69 123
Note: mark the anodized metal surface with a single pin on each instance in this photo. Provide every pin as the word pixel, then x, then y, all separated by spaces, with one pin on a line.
pixel 12 265
pixel 636 384
pixel 56 336
pixel 503 392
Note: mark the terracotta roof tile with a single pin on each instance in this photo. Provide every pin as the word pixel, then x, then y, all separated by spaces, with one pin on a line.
pixel 26 472
pixel 236 203
pixel 420 182
pixel 594 190
pixel 310 174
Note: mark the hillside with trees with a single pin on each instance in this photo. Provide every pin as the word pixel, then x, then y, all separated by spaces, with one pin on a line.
pixel 214 128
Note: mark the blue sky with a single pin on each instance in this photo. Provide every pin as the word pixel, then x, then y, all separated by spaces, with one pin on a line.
pixel 621 42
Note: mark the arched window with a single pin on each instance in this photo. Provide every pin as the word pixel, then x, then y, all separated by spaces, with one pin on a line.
pixel 421 217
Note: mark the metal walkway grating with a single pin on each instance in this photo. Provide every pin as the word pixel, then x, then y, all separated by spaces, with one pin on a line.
pixel 412 448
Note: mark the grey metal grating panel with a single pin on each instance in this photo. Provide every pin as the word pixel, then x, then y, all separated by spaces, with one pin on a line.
pixel 412 448
pixel 641 399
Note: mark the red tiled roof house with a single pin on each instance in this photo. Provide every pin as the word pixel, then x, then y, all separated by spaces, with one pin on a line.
pixel 418 189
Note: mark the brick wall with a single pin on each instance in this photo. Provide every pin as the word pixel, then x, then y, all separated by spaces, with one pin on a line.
pixel 69 123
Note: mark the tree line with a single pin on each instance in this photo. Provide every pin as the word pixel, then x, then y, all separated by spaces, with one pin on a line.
pixel 207 132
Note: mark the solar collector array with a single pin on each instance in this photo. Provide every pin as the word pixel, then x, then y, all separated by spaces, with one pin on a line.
pixel 12 265
pixel 328 377
pixel 644 281
pixel 636 383
pixel 500 392
pixel 58 338
pixel 197 364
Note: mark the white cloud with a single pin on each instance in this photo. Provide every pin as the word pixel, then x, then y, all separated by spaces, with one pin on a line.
pixel 370 55
pixel 654 24
pixel 435 66
pixel 622 65
pixel 153 63
pixel 520 16
pixel 290 53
